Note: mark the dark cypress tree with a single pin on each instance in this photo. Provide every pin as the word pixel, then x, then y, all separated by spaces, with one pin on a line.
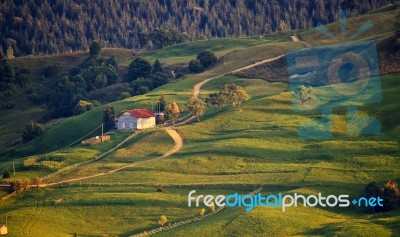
pixel 109 117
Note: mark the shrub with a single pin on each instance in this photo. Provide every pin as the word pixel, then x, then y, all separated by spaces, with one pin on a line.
pixel 195 66
pixel 6 174
pixel 31 131
pixel 124 95
pixel 391 195
pixel 162 220
pixel 82 107
pixel 207 58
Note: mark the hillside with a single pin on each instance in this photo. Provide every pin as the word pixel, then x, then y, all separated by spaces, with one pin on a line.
pixel 26 103
pixel 227 151
pixel 384 31
pixel 46 27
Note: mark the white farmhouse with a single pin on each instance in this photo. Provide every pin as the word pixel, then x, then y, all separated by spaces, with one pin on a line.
pixel 136 119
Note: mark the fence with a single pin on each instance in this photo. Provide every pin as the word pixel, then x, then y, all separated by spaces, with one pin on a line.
pixel 89 161
pixel 187 221
pixel 8 196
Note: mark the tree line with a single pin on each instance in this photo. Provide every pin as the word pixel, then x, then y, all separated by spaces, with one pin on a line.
pixel 54 26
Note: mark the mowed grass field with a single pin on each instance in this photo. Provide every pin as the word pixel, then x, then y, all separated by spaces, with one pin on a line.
pixel 227 151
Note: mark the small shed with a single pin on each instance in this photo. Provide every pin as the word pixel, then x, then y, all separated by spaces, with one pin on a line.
pixel 136 119
pixel 3 229
pixel 160 118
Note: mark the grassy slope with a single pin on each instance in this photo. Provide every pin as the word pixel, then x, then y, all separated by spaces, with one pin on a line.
pixel 12 121
pixel 382 26
pixel 222 151
pixel 235 53
pixel 183 53
pixel 77 126
pixel 227 148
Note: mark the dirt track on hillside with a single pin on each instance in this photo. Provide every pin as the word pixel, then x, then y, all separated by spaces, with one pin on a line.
pixel 197 87
pixel 171 132
pixel 178 145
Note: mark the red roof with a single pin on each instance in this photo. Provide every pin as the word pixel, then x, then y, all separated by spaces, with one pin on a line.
pixel 140 113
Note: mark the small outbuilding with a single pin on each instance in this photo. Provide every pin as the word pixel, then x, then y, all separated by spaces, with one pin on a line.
pixel 136 119
pixel 3 229
pixel 160 117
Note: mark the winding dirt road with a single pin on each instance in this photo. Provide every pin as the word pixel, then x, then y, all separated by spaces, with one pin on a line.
pixel 173 133
pixel 178 145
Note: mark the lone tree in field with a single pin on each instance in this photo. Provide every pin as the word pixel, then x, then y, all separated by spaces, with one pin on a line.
pixel 162 220
pixel 202 212
pixel 212 208
pixel 204 60
pixel 228 92
pixel 95 48
pixel 239 96
pixel 109 117
pixel 391 195
pixel 216 100
pixel 31 131
pixel 373 190
pixel 305 94
pixel 196 107
pixel 207 58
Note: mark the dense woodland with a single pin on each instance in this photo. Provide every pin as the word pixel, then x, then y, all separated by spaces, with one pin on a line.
pixel 54 26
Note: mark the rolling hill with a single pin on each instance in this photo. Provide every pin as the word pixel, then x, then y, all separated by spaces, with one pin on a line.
pixel 227 151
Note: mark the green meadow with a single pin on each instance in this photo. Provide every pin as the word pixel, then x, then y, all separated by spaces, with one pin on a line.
pixel 228 151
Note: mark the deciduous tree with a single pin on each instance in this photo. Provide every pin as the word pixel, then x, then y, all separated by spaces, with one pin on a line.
pixel 207 58
pixel 82 107
pixel 391 195
pixel 31 131
pixel 162 220
pixel 373 190
pixel 202 212
pixel 305 94
pixel 216 100
pixel 124 95
pixel 169 112
pixel 239 96
pixel 196 107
